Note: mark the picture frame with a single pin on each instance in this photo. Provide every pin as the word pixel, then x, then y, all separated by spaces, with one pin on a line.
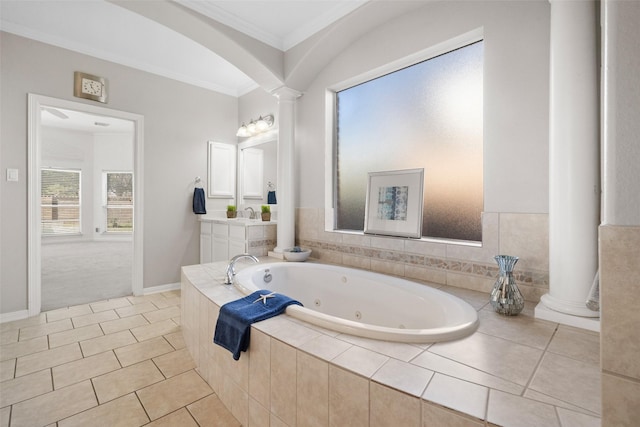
pixel 394 203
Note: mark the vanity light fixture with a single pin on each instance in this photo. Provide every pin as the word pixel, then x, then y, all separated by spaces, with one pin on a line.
pixel 255 126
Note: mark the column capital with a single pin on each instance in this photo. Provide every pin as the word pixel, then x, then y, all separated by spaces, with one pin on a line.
pixel 284 93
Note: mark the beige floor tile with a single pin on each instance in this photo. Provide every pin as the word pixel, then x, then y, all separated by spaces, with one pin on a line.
pixel 84 369
pixel 22 348
pixel 25 387
pixel 174 363
pixel 126 380
pixel 522 329
pixel 153 330
pixel 575 419
pixel 173 393
pixel 516 362
pixel 397 350
pixel 171 294
pixel 9 336
pixel 46 328
pixel 144 350
pixel 458 370
pixel 68 312
pixel 107 342
pixel 181 418
pixel 118 325
pixel 176 340
pixel 110 304
pixel 505 409
pixel 569 380
pixel 362 361
pixel 17 324
pixel 173 301
pixel 5 416
pixel 162 314
pixel 47 359
pixel 7 369
pixel 404 376
pixel 74 335
pixel 125 411
pixel 140 299
pixel 92 319
pixel 56 405
pixel 572 342
pixel 159 300
pixel 211 412
pixel 136 309
pixel 458 395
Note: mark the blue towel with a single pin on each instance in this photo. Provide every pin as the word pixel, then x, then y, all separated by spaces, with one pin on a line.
pixel 198 202
pixel 271 198
pixel 233 327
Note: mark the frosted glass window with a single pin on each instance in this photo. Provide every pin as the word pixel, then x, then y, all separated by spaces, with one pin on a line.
pixel 428 115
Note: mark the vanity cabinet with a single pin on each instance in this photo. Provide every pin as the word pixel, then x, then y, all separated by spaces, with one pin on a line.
pixel 221 239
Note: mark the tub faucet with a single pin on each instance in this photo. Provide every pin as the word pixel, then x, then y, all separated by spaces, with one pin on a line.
pixel 230 272
pixel 253 213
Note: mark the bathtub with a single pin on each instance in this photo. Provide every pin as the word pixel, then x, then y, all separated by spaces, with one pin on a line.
pixel 363 303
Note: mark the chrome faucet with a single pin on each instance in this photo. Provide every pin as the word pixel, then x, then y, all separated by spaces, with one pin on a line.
pixel 230 272
pixel 253 213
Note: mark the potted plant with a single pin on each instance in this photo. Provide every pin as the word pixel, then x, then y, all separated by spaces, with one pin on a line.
pixel 266 212
pixel 231 211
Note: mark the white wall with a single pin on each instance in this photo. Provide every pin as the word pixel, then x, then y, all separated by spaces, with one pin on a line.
pixel 516 87
pixel 179 120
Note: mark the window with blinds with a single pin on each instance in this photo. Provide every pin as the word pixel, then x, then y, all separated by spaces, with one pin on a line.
pixel 60 201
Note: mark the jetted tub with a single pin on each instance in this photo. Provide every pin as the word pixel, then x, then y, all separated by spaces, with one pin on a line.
pixel 363 303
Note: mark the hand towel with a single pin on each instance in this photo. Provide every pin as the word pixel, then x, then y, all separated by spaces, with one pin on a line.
pixel 198 202
pixel 271 198
pixel 233 327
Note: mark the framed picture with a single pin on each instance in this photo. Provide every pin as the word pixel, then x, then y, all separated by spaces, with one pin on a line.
pixel 394 203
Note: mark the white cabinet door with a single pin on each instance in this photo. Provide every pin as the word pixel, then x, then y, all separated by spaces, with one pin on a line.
pixel 237 247
pixel 220 246
pixel 205 249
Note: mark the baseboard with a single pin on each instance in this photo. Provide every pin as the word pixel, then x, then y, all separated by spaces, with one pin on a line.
pixel 15 315
pixel 160 288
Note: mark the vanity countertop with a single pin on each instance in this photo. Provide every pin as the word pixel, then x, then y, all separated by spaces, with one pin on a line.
pixel 236 221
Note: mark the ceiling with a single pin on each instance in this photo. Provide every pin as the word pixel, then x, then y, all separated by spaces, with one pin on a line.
pixel 104 30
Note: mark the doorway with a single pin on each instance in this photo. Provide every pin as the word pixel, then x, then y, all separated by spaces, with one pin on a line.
pixel 85 203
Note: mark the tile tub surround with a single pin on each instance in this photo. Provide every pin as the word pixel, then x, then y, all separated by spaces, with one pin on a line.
pixel 620 297
pixel 469 266
pixel 511 371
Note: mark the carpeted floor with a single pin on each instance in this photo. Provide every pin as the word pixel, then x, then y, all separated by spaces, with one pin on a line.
pixel 78 273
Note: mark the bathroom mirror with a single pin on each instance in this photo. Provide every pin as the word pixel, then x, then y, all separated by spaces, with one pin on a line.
pixel 257 169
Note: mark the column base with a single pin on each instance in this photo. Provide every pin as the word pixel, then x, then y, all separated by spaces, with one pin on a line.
pixel 545 313
pixel 276 254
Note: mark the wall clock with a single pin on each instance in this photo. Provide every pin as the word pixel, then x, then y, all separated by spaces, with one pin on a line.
pixel 89 87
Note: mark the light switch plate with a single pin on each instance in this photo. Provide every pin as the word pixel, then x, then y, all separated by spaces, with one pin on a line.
pixel 12 175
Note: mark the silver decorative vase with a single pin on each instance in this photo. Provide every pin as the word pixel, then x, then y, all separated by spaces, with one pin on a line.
pixel 505 296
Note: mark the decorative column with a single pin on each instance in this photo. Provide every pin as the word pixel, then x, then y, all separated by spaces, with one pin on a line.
pixel 574 179
pixel 286 163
